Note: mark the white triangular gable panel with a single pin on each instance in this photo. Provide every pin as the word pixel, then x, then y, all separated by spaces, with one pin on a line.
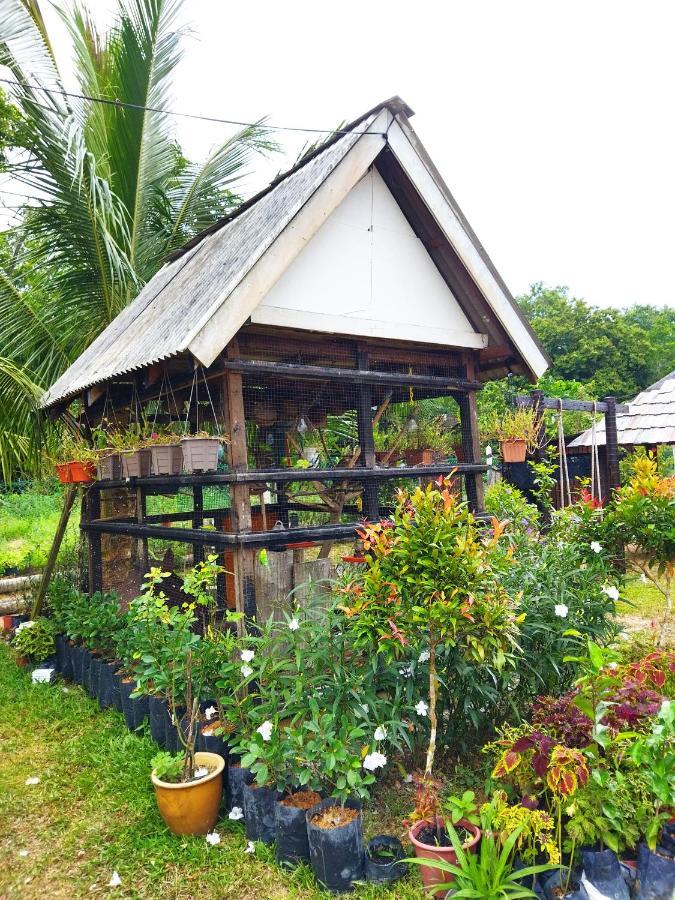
pixel 366 273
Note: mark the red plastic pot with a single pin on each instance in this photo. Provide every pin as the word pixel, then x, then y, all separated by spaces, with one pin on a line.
pixel 355 560
pixel 76 472
pixel 430 875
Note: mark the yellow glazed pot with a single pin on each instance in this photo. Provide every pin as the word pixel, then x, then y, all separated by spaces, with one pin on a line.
pixel 192 808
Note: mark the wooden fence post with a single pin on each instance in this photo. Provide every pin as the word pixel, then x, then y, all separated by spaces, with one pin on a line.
pixel 612 447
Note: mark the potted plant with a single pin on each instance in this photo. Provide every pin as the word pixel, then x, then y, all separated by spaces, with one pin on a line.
pixel 517 432
pixel 135 455
pixel 385 859
pixel 453 598
pixel 483 870
pixel 200 451
pixel 188 785
pixel 75 462
pixel 166 453
pixel 34 641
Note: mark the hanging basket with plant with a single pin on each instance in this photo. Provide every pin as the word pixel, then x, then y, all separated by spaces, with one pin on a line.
pixel 517 432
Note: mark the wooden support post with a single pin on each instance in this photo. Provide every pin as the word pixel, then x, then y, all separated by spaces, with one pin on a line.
pixel 68 501
pixel 364 412
pixel 197 520
pixel 240 499
pixel 141 510
pixel 538 407
pixel 612 447
pixel 468 417
pixel 221 578
pixel 94 542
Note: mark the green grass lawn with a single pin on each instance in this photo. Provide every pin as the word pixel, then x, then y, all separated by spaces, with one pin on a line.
pixel 643 599
pixel 93 812
pixel 27 525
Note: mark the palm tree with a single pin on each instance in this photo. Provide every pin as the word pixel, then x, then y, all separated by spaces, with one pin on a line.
pixel 111 193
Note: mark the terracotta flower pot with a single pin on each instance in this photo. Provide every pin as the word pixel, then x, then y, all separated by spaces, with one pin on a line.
pixel 419 457
pixel 192 808
pixel 167 459
pixel 513 451
pixel 430 875
pixel 200 454
pixel 76 472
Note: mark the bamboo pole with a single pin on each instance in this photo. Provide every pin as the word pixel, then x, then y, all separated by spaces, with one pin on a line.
pixel 68 501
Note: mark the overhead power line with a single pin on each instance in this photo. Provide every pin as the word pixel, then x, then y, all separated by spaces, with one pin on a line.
pixel 123 104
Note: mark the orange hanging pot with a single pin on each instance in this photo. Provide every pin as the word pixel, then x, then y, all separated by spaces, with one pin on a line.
pixel 76 472
pixel 513 451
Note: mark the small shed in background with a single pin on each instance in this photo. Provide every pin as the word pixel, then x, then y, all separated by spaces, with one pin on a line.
pixel 649 422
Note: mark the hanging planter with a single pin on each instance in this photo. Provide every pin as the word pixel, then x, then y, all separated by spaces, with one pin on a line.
pixel 191 807
pixel 200 454
pixel 259 803
pixel 167 459
pixel 428 837
pixel 513 451
pixel 335 837
pixel 136 463
pixel 109 467
pixel 290 826
pixel 517 432
pixel 76 472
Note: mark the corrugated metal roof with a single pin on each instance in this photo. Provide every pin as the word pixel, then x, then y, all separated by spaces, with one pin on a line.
pixel 160 321
pixel 650 418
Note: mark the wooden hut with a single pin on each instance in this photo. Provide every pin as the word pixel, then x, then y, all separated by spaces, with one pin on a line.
pixel 350 288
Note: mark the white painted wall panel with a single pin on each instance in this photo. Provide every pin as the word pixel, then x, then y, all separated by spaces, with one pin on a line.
pixel 366 273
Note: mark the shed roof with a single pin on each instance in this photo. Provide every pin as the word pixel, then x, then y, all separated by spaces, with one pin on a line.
pixel 206 291
pixel 650 418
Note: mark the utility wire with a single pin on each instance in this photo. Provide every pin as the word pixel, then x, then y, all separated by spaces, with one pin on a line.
pixel 109 101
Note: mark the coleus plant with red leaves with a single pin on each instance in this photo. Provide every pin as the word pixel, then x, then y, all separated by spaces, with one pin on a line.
pixel 542 763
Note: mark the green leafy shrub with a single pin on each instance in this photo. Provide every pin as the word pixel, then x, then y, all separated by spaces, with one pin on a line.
pixel 35 639
pixel 433 580
pixel 504 501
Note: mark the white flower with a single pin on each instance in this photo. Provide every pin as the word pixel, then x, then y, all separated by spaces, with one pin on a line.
pixel 22 625
pixel 293 624
pixel 201 772
pixel 596 547
pixel 643 578
pixel 406 671
pixel 250 847
pixel 365 707
pixel 23 852
pixel 408 779
pixel 212 838
pixel 236 813
pixel 32 780
pixel 611 591
pixel 210 712
pixel 246 671
pixel 247 655
pixel 422 708
pixel 265 731
pixel 488 450
pixel 561 610
pixel 374 761
pixel 115 881
pixel 424 656
pixel 380 733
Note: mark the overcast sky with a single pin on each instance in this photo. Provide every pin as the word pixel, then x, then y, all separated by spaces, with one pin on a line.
pixel 552 123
